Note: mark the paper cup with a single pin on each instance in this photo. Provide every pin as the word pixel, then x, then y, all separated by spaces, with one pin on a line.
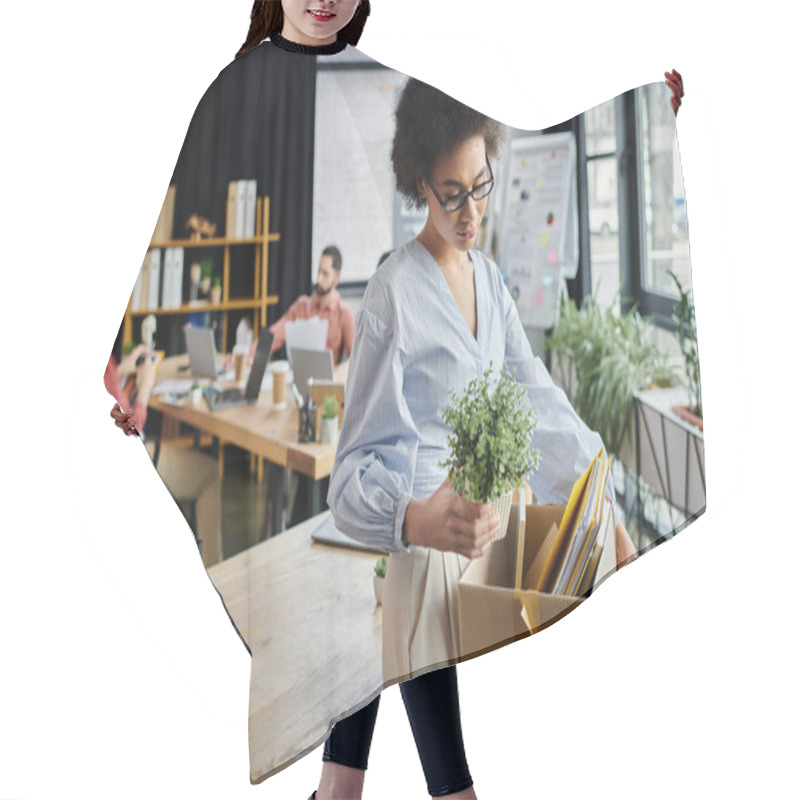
pixel 280 372
pixel 239 362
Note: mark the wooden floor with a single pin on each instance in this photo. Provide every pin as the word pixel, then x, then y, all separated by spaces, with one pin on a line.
pixel 243 503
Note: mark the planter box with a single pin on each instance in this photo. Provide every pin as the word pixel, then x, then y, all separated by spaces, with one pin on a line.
pixel 671 452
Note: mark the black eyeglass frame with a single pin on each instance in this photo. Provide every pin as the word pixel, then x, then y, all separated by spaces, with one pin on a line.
pixel 461 197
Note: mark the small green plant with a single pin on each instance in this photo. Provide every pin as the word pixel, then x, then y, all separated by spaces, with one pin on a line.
pixel 380 567
pixel 217 281
pixel 683 316
pixel 490 437
pixel 207 267
pixel 330 407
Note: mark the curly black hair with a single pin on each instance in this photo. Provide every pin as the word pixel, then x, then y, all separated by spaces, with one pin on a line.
pixel 428 123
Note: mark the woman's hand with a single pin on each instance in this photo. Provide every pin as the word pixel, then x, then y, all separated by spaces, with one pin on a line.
pixel 626 552
pixel 675 82
pixel 446 521
pixel 124 420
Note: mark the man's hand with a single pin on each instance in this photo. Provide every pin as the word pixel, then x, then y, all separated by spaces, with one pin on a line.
pixel 446 521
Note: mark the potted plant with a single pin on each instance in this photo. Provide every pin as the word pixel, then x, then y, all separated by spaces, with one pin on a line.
pixel 378 578
pixel 216 290
pixel 602 359
pixel 490 441
pixel 206 271
pixel 330 420
pixel 684 318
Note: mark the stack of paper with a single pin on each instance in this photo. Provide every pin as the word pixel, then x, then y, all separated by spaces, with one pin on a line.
pixel 240 217
pixel 307 334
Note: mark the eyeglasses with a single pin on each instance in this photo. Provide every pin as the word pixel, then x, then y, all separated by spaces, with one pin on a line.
pixel 458 200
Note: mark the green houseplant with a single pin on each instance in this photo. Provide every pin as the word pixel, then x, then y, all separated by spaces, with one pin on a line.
pixel 609 357
pixel 216 290
pixel 330 420
pixel 684 318
pixel 490 440
pixel 206 273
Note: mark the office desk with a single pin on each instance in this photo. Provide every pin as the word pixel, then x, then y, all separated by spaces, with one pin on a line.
pixel 308 614
pixel 261 429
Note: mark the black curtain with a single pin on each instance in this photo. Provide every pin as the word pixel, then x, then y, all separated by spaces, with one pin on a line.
pixel 256 121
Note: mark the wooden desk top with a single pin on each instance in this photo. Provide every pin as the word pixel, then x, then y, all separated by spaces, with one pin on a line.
pixel 261 429
pixel 308 614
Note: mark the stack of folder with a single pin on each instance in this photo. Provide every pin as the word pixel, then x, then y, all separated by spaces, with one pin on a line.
pixel 567 562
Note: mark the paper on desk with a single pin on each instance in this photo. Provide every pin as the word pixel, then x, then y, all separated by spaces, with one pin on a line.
pixel 307 334
pixel 174 386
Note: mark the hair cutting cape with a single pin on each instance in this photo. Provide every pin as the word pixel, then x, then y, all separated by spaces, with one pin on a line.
pixel 288 152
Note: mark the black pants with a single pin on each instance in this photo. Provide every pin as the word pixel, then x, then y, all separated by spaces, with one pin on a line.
pixel 431 702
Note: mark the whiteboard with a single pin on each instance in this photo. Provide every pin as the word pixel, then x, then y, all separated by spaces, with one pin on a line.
pixel 354 190
pixel 539 226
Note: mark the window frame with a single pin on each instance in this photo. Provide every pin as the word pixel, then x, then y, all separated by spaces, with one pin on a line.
pixel 632 241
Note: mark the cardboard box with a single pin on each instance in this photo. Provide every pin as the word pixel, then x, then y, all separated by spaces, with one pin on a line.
pixel 491 608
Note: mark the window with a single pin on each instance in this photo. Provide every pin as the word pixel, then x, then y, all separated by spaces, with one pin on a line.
pixel 632 204
pixel 665 235
pixel 600 128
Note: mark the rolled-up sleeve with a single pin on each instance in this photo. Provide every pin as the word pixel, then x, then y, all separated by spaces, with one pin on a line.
pixel 373 472
pixel 567 444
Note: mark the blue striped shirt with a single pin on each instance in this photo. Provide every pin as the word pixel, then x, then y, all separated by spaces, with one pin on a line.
pixel 412 347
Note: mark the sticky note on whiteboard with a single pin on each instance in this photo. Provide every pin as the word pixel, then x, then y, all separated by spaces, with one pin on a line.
pixel 552 257
pixel 545 239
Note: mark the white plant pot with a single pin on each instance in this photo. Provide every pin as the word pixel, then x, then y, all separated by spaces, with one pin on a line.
pixel 502 507
pixel 330 430
pixel 377 585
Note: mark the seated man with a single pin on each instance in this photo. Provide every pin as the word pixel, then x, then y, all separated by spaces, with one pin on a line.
pixel 324 303
pixel 187 474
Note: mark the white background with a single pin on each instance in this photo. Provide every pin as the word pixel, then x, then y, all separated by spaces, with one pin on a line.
pixel 120 675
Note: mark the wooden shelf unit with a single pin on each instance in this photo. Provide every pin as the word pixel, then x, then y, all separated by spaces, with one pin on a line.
pixel 259 302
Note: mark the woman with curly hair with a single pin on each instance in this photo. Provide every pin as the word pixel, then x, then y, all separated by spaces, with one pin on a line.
pixel 433 317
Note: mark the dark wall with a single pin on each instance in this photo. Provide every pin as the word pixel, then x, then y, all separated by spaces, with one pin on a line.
pixel 256 120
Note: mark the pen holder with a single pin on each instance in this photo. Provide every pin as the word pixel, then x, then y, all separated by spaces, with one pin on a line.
pixel 306 418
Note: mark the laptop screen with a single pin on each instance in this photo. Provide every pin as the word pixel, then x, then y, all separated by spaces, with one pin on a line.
pixel 259 367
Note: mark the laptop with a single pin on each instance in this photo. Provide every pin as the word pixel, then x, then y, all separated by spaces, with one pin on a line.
pixel 327 533
pixel 308 364
pixel 202 352
pixel 219 399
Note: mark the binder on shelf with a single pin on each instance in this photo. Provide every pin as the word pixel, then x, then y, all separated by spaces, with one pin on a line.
pixel 154 279
pixel 241 200
pixel 173 278
pixel 230 214
pixel 250 209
